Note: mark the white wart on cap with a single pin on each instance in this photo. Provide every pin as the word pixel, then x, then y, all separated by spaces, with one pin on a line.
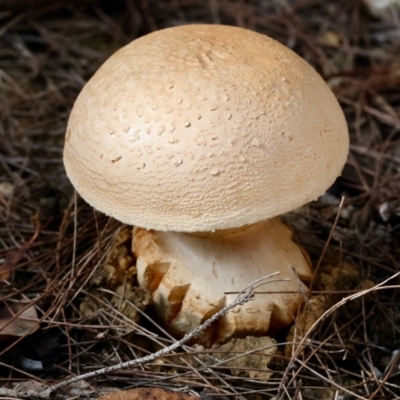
pixel 204 127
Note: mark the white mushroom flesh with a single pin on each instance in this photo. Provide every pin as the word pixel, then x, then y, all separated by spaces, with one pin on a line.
pixel 190 277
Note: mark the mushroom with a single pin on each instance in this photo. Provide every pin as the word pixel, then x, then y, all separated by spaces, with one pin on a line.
pixel 200 136
pixel 154 393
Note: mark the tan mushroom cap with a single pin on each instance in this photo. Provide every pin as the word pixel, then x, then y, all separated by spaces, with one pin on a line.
pixel 204 127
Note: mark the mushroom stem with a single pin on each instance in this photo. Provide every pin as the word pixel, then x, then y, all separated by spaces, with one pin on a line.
pixel 192 276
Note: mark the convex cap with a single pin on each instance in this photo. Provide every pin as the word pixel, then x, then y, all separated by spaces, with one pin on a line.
pixel 204 127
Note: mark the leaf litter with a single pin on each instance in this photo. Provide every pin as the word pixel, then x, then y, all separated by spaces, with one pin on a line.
pixel 54 249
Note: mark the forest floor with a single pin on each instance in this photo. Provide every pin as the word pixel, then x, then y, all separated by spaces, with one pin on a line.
pixel 54 322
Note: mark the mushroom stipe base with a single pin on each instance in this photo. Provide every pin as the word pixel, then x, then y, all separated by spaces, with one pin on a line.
pixel 190 275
